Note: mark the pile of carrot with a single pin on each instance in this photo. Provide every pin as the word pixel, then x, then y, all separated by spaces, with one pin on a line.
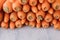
pixel 33 13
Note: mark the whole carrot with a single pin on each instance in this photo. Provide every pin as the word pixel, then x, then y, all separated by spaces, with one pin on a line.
pixel 21 15
pixel 51 11
pixel 45 24
pixel 31 16
pixel 45 6
pixel 23 2
pixel 13 16
pixel 56 14
pixel 56 5
pixel 12 25
pixel 34 9
pixel 48 18
pixel 16 6
pixel 26 8
pixel 40 15
pixel 32 24
pixel 32 2
pixel 7 7
pixel 6 17
pixel 18 24
pixel 4 25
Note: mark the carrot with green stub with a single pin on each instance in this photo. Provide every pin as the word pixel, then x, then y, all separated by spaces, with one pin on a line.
pixel 26 8
pixel 31 16
pixel 16 6
pixel 7 7
pixel 13 16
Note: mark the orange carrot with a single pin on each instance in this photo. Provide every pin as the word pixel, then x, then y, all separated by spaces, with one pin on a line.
pixel 26 8
pixel 54 21
pixel 31 16
pixel 48 18
pixel 51 1
pixel 56 15
pixel 45 24
pixel 7 7
pixel 1 3
pixel 40 15
pixel 16 6
pixel 23 21
pixel 39 6
pixel 59 19
pixel 38 25
pixel 12 1
pixel 57 26
pixel 21 15
pixel 23 2
pixel 18 24
pixel 4 25
pixel 32 2
pixel 32 24
pixel 12 25
pixel 6 17
pixel 34 9
pixel 41 1
pixel 13 16
pixel 45 6
pixel 1 16
pixel 51 11
pixel 56 5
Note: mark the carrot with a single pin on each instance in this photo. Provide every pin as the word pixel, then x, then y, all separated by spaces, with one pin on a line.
pixel 39 6
pixel 56 5
pixel 6 17
pixel 54 21
pixel 38 25
pixel 7 7
pixel 32 24
pixel 59 19
pixel 45 6
pixel 23 2
pixel 16 6
pixel 4 25
pixel 31 16
pixel 18 24
pixel 1 16
pixel 40 15
pixel 23 21
pixel 51 11
pixel 45 24
pixel 57 26
pixel 34 9
pixel 12 1
pixel 13 16
pixel 21 15
pixel 38 21
pixel 26 8
pixel 41 1
pixel 26 23
pixel 12 25
pixel 56 15
pixel 32 2
pixel 48 18
pixel 51 1
pixel 1 3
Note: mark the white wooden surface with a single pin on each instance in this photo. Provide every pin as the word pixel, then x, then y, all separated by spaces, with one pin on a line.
pixel 27 33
